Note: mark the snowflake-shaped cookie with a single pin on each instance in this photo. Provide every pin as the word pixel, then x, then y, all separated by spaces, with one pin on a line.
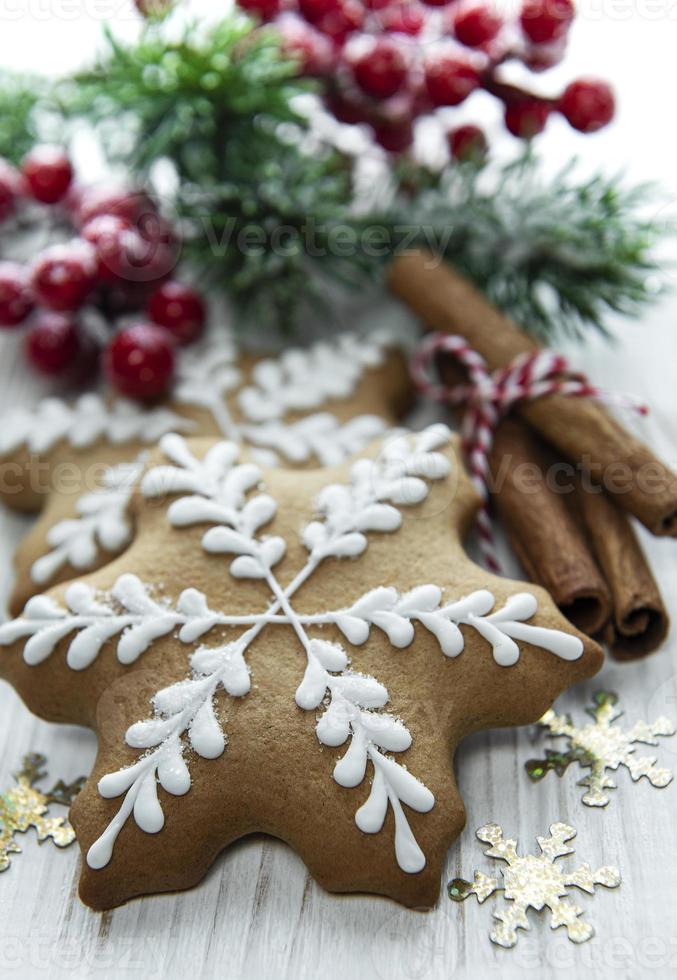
pixel 269 630
pixel 534 881
pixel 602 745
pixel 79 461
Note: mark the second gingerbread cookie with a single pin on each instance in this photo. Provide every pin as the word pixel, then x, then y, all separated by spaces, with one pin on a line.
pixel 77 462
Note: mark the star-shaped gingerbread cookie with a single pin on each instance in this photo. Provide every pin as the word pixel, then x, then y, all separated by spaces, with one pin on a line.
pixel 294 653
pixel 77 462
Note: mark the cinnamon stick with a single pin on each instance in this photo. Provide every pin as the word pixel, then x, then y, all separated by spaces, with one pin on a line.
pixel 544 531
pixel 579 427
pixel 543 528
pixel 640 620
pixel 576 544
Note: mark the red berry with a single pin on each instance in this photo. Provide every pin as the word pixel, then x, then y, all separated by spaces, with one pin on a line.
pixel 546 20
pixel 10 188
pixel 527 117
pixel 379 66
pixel 63 275
pixel 156 262
pixel 48 173
pixel 449 80
pixel 476 25
pixel 108 235
pixel 541 57
pixel 53 344
pixel 160 249
pixel 436 3
pixel 265 9
pixel 345 109
pixel 144 255
pixel 123 202
pixel 335 18
pixel 313 51
pixel 402 18
pixel 315 10
pixel 16 301
pixel 139 361
pixel 587 104
pixel 179 309
pixel 395 136
pixel 467 143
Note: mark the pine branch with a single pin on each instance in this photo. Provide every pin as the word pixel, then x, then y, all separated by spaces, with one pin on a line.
pixel 269 216
pixel 557 254
pixel 19 96
pixel 187 98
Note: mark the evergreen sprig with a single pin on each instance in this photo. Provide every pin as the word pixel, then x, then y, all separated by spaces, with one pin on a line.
pixel 556 254
pixel 218 103
pixel 270 218
pixel 268 235
pixel 189 98
pixel 19 97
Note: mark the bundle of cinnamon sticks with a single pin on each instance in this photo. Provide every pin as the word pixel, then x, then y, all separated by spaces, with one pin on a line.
pixel 566 477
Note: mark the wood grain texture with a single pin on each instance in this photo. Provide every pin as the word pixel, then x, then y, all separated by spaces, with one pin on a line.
pixel 257 915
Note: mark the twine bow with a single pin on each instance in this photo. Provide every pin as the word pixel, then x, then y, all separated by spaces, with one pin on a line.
pixel 488 396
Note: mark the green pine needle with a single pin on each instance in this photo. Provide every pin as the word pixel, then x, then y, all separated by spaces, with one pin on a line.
pixel 19 97
pixel 556 254
pixel 269 218
pixel 189 98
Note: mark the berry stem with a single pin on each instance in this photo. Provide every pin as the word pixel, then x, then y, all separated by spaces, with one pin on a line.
pixel 509 93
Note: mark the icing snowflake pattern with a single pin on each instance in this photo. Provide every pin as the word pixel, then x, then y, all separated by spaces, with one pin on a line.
pixel 226 495
pixel 534 881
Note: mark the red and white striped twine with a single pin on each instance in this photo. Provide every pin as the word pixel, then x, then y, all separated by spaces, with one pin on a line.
pixel 488 396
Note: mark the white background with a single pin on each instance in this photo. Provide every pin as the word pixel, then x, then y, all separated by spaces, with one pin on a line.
pixel 257 914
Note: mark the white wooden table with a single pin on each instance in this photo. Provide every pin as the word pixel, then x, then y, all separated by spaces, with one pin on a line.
pixel 257 914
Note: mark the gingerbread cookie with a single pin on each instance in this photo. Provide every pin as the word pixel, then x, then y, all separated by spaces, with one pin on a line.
pixel 294 653
pixel 77 462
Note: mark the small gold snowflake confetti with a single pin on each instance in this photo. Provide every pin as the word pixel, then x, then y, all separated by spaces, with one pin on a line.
pixel 602 745
pixel 534 881
pixel 24 806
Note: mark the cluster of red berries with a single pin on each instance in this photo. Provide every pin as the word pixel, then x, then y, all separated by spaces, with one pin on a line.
pixel 387 62
pixel 115 254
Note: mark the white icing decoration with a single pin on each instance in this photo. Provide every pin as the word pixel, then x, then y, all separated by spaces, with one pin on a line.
pixel 301 379
pixel 206 373
pixel 102 521
pixel 352 713
pixel 84 422
pixel 217 491
pixel 318 436
pixel 296 381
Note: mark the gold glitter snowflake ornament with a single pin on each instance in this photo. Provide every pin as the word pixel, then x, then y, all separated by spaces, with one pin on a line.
pixel 534 881
pixel 602 745
pixel 25 806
